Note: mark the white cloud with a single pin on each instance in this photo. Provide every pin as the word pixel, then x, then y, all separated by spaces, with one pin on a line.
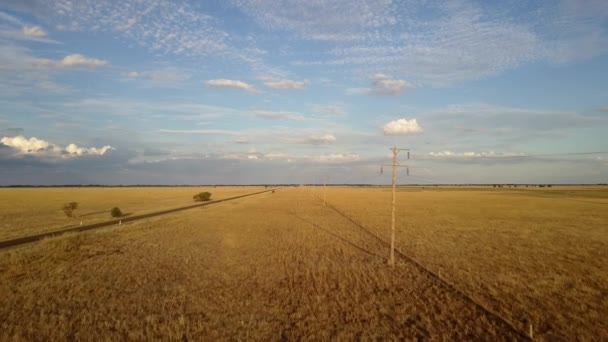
pixel 39 147
pixel 24 145
pixel 274 156
pixel 232 84
pixel 266 114
pixel 336 158
pixel 471 154
pixel 34 31
pixel 321 140
pixel 80 60
pixel 74 149
pixel 167 77
pixel 198 131
pixel 357 91
pixel 402 126
pixel 74 60
pixel 284 83
pixel 386 85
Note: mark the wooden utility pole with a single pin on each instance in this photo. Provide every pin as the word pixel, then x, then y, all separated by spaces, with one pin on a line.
pixel 394 166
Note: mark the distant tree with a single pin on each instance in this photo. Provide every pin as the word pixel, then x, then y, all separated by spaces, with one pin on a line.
pixel 68 208
pixel 202 197
pixel 116 212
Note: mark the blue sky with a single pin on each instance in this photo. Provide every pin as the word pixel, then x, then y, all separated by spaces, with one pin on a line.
pixel 261 91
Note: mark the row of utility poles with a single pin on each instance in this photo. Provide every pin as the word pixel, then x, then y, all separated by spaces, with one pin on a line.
pixel 394 165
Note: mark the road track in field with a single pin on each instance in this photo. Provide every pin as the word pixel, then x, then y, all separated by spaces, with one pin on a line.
pixel 37 237
pixel 435 277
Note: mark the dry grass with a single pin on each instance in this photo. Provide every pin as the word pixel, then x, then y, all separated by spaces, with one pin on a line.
pixel 531 255
pixel 35 210
pixel 269 267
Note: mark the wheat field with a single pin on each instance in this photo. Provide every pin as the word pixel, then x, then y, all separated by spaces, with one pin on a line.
pixel 283 266
pixel 28 211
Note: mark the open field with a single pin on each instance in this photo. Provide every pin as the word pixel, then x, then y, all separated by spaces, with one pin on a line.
pixel 28 211
pixel 284 266
pixel 532 255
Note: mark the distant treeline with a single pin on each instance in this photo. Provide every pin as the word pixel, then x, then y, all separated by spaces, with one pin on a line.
pixel 495 185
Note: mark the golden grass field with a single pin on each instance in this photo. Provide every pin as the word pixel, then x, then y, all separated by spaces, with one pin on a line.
pixel 28 211
pixel 282 265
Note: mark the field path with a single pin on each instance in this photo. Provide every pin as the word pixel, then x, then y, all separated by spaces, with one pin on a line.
pixel 37 237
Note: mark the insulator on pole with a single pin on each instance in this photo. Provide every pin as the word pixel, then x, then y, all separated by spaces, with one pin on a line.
pixel 407 169
pixel 408 154
pixel 381 170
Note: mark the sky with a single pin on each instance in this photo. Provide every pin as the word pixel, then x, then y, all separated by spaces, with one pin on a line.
pixel 270 91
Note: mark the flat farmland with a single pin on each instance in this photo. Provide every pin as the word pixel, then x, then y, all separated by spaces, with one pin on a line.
pixel 29 211
pixel 283 266
pixel 533 255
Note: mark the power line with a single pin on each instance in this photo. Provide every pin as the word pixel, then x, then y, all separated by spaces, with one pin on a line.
pixel 513 156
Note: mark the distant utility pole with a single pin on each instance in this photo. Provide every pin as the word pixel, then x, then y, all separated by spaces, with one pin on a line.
pixel 394 165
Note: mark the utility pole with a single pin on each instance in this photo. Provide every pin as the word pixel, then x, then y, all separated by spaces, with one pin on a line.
pixel 394 165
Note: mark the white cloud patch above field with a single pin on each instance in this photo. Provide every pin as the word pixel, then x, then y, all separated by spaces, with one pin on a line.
pixel 39 147
pixel 198 131
pixel 386 85
pixel 276 115
pixel 232 84
pixel 337 158
pixel 320 140
pixel 163 77
pixel 74 60
pixel 402 126
pixel 34 31
pixel 472 154
pixel 277 83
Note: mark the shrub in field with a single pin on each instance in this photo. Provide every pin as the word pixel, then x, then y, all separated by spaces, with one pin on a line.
pixel 201 197
pixel 116 212
pixel 68 208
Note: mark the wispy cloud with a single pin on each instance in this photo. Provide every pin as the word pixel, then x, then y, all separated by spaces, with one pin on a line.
pixel 267 114
pixel 337 158
pixel 232 84
pixel 277 83
pixel 320 20
pixel 34 31
pixel 163 77
pixel 459 41
pixel 74 60
pixel 330 109
pixel 320 140
pixel 15 29
pixel 386 85
pixel 162 27
pixel 198 131
pixel 473 154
